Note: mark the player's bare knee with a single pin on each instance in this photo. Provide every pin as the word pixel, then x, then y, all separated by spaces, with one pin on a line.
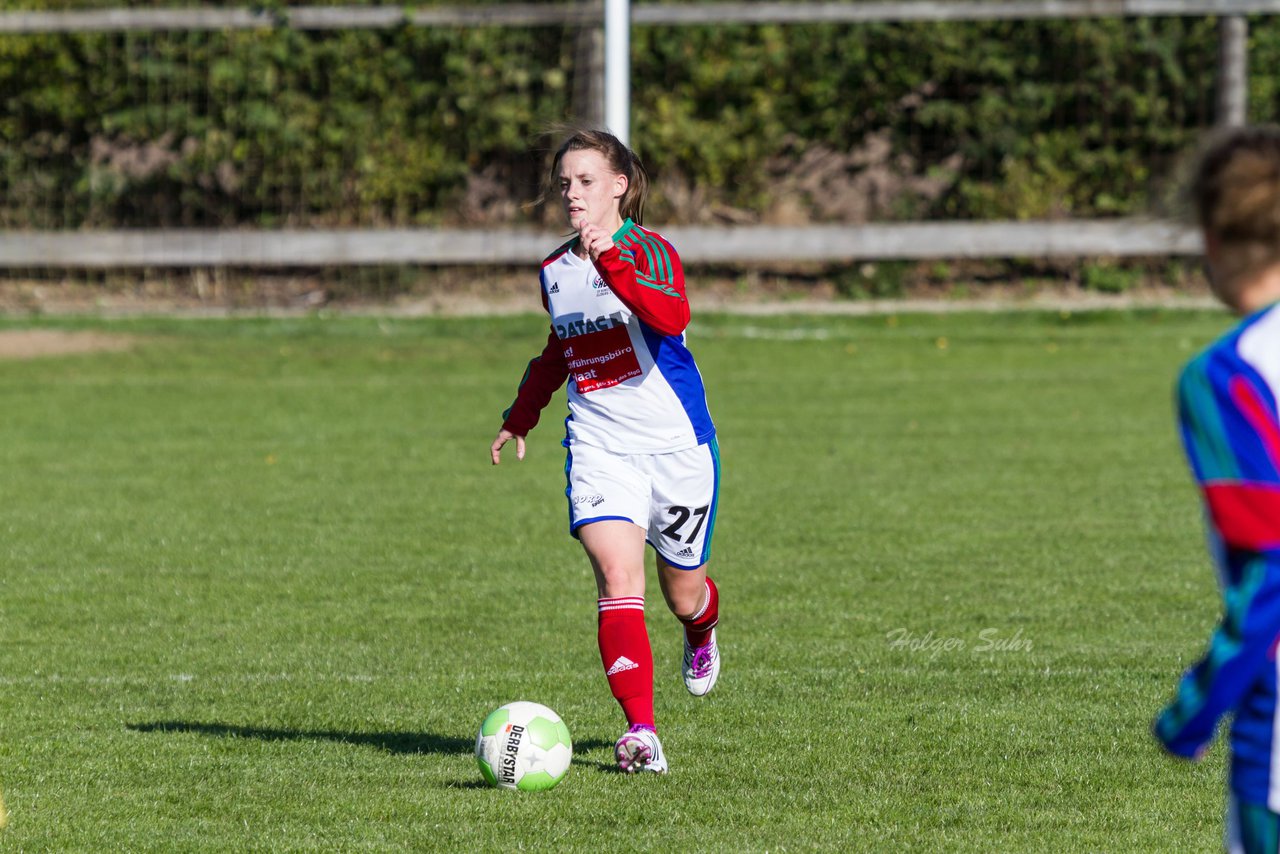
pixel 618 578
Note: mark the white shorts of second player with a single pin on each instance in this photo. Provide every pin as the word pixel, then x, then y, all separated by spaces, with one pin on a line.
pixel 672 496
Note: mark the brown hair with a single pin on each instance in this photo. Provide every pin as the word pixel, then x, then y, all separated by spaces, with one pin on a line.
pixel 1236 195
pixel 622 160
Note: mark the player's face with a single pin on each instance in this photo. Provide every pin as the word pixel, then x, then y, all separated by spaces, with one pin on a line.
pixel 1218 284
pixel 590 190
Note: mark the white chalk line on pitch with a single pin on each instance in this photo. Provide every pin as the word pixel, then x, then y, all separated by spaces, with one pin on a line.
pixel 1035 303
pixel 764 333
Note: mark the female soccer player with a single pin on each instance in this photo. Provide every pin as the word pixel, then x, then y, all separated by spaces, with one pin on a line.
pixel 642 464
pixel 1227 399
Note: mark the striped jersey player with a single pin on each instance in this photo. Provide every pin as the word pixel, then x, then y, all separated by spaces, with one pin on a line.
pixel 1230 425
pixel 642 463
pixel 1230 429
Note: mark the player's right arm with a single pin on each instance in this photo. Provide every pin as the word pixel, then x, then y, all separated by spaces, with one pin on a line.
pixel 542 378
pixel 1232 437
pixel 648 277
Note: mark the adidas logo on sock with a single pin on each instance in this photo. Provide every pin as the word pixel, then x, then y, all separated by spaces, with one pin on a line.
pixel 687 551
pixel 622 664
pixel 554 289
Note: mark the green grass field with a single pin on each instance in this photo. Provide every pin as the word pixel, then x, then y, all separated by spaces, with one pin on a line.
pixel 259 585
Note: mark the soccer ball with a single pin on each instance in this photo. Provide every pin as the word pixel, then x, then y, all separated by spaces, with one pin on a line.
pixel 523 746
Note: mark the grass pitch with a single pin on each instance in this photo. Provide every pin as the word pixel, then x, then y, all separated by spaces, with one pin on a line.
pixel 260 585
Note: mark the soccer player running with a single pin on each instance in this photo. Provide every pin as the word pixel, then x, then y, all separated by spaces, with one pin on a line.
pixel 643 464
pixel 1227 399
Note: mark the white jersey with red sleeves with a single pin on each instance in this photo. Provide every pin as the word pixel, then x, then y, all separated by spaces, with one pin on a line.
pixel 617 334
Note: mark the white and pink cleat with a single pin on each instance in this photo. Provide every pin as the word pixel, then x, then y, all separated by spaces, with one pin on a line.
pixel 701 666
pixel 639 750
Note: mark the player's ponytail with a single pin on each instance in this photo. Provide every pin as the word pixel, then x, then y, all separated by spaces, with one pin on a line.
pixel 1236 196
pixel 632 203
pixel 622 160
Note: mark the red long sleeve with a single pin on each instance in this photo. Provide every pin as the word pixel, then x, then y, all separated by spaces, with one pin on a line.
pixel 645 272
pixel 544 376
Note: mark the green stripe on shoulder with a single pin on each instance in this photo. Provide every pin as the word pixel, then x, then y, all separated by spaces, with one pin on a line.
pixel 626 232
pixel 666 270
pixel 1202 416
pixel 643 242
pixel 651 258
pixel 660 272
pixel 657 266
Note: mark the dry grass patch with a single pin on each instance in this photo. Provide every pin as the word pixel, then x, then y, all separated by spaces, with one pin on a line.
pixel 37 343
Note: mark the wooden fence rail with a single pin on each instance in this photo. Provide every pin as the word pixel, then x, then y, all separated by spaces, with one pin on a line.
pixel 697 244
pixel 590 12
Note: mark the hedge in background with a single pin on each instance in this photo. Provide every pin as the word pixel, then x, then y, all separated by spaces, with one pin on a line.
pixel 426 126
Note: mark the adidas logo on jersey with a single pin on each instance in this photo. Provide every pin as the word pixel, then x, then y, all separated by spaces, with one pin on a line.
pixel 687 551
pixel 622 664
pixel 554 289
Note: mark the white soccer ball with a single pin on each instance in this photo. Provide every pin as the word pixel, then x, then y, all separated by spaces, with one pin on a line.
pixel 524 746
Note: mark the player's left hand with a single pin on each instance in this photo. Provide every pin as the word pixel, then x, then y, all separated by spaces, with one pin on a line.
pixel 595 240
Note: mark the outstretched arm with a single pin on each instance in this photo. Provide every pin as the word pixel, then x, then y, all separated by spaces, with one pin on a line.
pixel 1241 646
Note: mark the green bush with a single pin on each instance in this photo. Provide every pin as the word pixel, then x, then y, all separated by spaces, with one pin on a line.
pixel 422 126
pixel 1109 277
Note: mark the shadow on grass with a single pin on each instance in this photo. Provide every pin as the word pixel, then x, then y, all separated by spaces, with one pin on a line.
pixel 598 767
pixel 414 743
pixel 392 742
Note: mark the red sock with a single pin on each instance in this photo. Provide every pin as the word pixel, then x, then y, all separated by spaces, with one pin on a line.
pixel 697 629
pixel 627 657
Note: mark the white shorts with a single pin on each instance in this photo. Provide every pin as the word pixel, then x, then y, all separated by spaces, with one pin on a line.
pixel 672 496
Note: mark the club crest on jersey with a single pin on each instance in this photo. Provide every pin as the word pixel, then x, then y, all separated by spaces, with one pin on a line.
pixel 568 328
pixel 600 287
